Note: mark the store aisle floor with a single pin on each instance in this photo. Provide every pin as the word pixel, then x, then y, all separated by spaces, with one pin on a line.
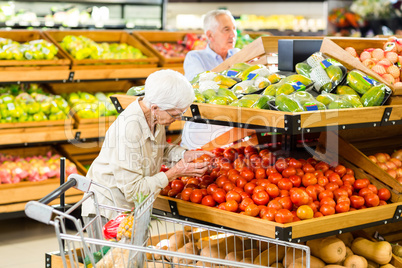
pixel 24 242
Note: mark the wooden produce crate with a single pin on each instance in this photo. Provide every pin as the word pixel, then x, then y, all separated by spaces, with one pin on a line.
pixel 110 37
pixel 62 62
pixel 357 152
pixel 335 48
pixel 81 154
pixel 151 37
pixel 284 122
pixel 260 49
pixel 13 197
pixel 30 132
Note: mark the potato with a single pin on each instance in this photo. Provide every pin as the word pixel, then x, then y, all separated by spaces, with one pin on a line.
pixel 189 248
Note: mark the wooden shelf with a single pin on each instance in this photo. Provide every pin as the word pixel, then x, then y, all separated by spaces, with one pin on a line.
pixel 284 122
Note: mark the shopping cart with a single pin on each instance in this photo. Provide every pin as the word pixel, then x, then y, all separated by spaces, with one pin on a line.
pixel 160 242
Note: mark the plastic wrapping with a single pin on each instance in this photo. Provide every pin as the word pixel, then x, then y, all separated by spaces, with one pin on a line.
pixel 288 85
pixel 298 101
pixel 372 92
pixel 326 73
pixel 334 101
pixel 253 101
pixel 136 91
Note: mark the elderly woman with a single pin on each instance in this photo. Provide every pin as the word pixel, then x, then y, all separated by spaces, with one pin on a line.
pixel 135 145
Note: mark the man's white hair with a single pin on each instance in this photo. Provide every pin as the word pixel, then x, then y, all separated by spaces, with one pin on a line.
pixel 210 21
pixel 168 89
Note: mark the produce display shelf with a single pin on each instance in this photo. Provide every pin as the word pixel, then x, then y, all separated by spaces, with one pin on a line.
pixel 150 37
pixel 13 197
pixel 61 62
pixel 284 122
pixel 109 37
pixel 293 232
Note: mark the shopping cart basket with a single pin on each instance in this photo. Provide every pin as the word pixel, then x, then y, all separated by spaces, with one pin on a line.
pixel 160 242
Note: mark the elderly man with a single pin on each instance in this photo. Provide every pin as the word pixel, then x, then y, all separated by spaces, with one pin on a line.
pixel 220 29
pixel 135 145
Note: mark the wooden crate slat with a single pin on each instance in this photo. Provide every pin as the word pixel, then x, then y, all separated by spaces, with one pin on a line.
pixel 23 36
pixel 267 228
pixel 35 75
pixel 109 37
pixel 113 73
pixel 228 137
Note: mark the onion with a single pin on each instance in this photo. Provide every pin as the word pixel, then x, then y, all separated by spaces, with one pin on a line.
pixel 397 154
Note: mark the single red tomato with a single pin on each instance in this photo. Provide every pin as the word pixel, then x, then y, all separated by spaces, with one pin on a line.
pixel 275 204
pixel 350 171
pixel 249 188
pixel 327 201
pixel 239 163
pixel 232 175
pixel 289 171
pixel 177 185
pixel 384 194
pixel 299 172
pixel 321 166
pixel 281 165
pixel 318 173
pixel 208 200
pixel 299 197
pixel 332 186
pixel 327 210
pixel 284 216
pixel 319 189
pixel 272 190
pixel 286 202
pixel 250 150
pixel 340 192
pixel 263 210
pixel 311 190
pixel 230 154
pixel 244 195
pixel 335 178
pixel 285 184
pixel 173 192
pixel 271 170
pixel 342 207
pixel 258 188
pixel 212 188
pixel 260 173
pixel 222 206
pixel 252 210
pixel 296 180
pixel 318 214
pixel 264 183
pixel 328 172
pixel 233 195
pixel 269 214
pixel 226 167
pixel 348 188
pixel 228 186
pixel 308 168
pixel 295 163
pixel 364 191
pixel 221 180
pixel 186 193
pixel 314 206
pixel 260 198
pixel 348 178
pixel 206 179
pixel 240 150
pixel 373 188
pixel 247 174
pixel 240 182
pixel 312 161
pixel 343 198
pixel 309 179
pixel 283 193
pixel 165 190
pixel 340 170
pixel 360 184
pixel 357 201
pixel 371 200
pixel 245 202
pixel 194 181
pixel 219 196
pixel 196 196
pixel 382 203
pixel 274 178
pixel 232 206
pixel 264 152
pixel 217 151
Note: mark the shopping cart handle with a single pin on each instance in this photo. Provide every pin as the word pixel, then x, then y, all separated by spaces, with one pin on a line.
pixel 60 190
pixel 39 212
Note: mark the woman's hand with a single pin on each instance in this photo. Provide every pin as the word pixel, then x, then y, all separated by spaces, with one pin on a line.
pixel 186 169
pixel 190 156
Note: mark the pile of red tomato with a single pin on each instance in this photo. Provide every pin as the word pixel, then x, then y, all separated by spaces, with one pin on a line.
pixel 255 183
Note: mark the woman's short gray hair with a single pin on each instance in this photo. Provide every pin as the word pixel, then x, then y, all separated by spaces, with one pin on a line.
pixel 210 22
pixel 168 89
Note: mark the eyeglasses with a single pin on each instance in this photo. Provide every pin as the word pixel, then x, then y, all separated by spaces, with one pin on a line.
pixel 177 116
